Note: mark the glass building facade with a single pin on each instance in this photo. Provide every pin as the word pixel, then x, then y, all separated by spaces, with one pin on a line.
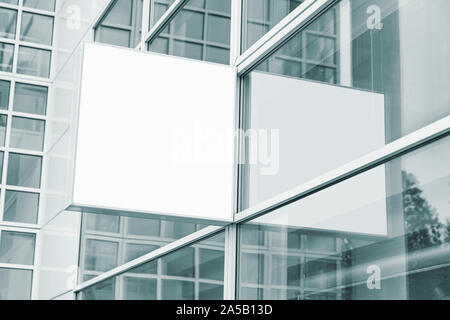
pixel 356 205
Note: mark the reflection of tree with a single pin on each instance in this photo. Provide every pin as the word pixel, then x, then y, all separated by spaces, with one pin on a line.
pixel 422 225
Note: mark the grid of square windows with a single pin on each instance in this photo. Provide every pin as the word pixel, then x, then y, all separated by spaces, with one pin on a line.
pixel 26 37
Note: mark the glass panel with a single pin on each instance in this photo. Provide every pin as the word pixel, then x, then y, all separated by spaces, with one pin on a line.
pixel 194 272
pixel 30 99
pixel 122 24
pixel 383 234
pixel 113 36
pixel 197 33
pixel 48 5
pixel 262 15
pixel 100 255
pixel 4 94
pixel 3 122
pixel 24 170
pixel 36 28
pixel 6 56
pixel 120 13
pixel 17 247
pixel 15 284
pixel 218 29
pixel 102 222
pixel 34 62
pixel 139 288
pixel 366 90
pixel 8 19
pixel 27 134
pixel 21 206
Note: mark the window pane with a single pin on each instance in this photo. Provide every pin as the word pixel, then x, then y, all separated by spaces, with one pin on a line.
pixel 218 29
pixel 3 121
pixel 24 170
pixel 34 62
pixel 143 226
pixel 366 90
pixel 139 288
pixel 15 284
pixel 21 206
pixel 187 49
pixel 17 247
pixel 30 99
pixel 209 291
pixel 219 5
pixel 179 263
pixel 6 56
pixel 219 55
pixel 159 45
pixel 262 15
pixel 102 222
pixel 8 19
pixel 100 255
pixel 211 264
pixel 188 24
pixel 383 234
pixel 113 36
pixel 178 290
pixel 27 134
pixel 36 28
pixel 48 5
pixel 4 94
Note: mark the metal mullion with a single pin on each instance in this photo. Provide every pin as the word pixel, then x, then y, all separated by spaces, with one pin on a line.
pixel 9 5
pixel 17 37
pixel 17 266
pixel 145 22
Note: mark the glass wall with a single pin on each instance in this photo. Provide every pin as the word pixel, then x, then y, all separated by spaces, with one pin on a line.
pixel 191 273
pixel 384 234
pixel 109 241
pixel 201 31
pixel 360 75
pixel 121 25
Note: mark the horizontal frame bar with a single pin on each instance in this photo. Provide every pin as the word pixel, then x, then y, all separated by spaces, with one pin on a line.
pixel 177 244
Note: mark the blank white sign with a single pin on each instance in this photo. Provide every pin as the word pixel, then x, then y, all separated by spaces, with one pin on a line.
pixel 155 134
